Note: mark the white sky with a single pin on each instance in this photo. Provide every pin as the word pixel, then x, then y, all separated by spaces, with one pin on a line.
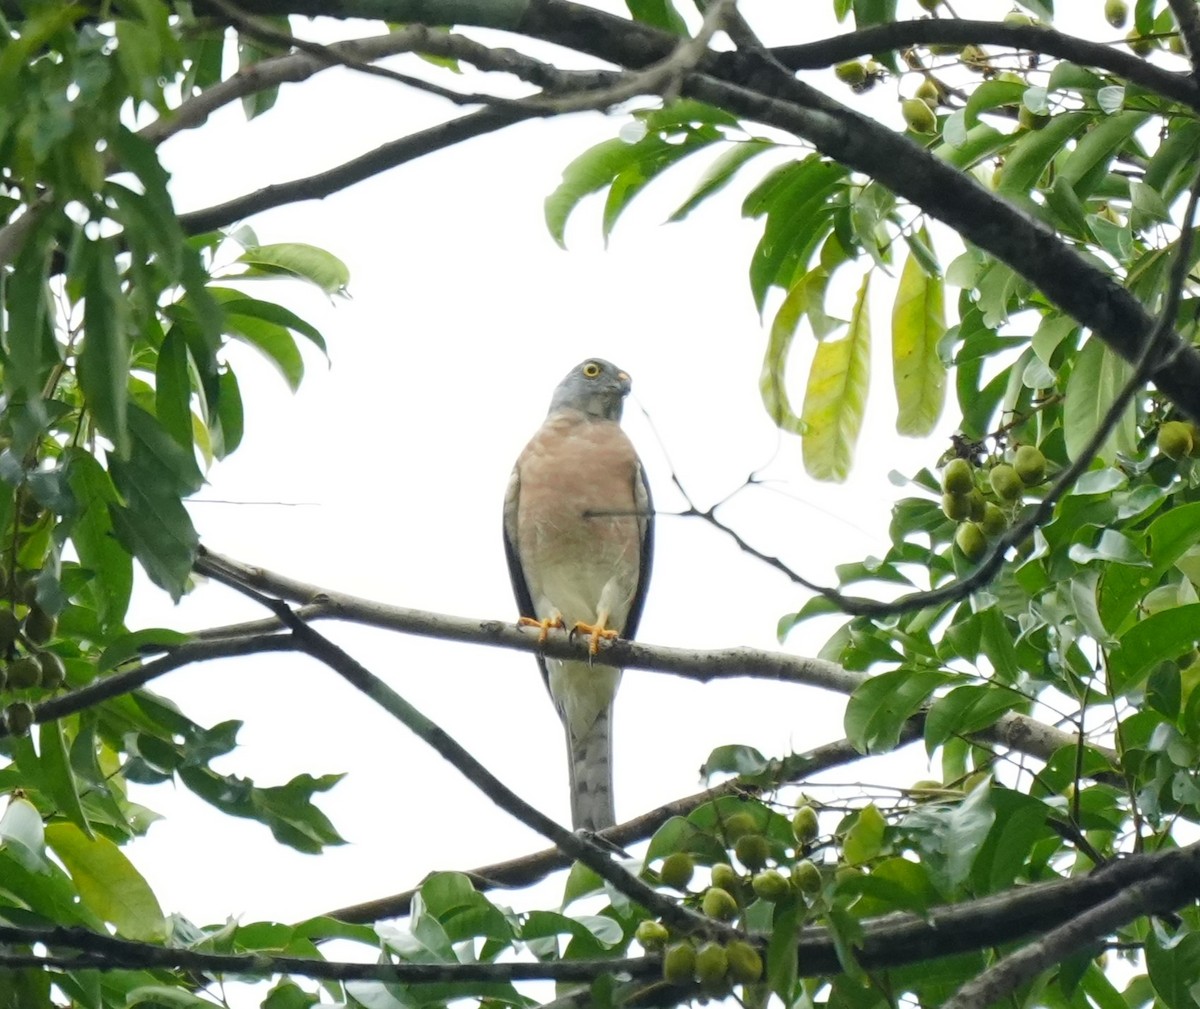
pixel 384 477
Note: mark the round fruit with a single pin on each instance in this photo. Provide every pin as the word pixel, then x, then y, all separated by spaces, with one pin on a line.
pixel 806 876
pixel 712 964
pixel 771 885
pixel 18 717
pixel 752 851
pixel 1030 465
pixel 971 541
pixel 739 825
pixel 53 671
pixel 977 504
pixel 1116 12
pixel 724 876
pixel 851 72
pixel 805 825
pixel 679 963
pixel 1174 439
pixel 926 790
pixel 24 672
pixel 718 903
pixel 651 934
pixel 958 477
pixel 1030 120
pixel 1141 45
pixel 745 962
pixel 929 92
pixel 994 521
pixel 846 872
pixel 39 625
pixel 1005 482
pixel 976 59
pixel 10 626
pixel 677 870
pixel 918 116
pixel 930 5
pixel 955 507
pixel 1018 19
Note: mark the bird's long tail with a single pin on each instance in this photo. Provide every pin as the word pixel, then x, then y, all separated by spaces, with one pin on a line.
pixel 590 756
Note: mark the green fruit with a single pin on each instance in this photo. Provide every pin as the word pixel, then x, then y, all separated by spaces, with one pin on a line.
pixel 718 903
pixel 846 872
pixel 806 877
pixel 24 587
pixel 1027 119
pixel 851 72
pixel 677 870
pixel 918 116
pixel 930 5
pixel 955 507
pixel 1030 465
pixel 739 825
pixel 10 626
pixel 994 521
pixel 976 505
pixel 1018 19
pixel 805 825
pixel 752 851
pixel 1174 439
pixel 712 964
pixel 651 934
pixel 724 876
pixel 1005 482
pixel 927 790
pixel 679 963
pixel 958 477
pixel 745 962
pixel 53 671
pixel 24 672
pixel 1138 43
pixel 929 92
pixel 976 59
pixel 971 541
pixel 18 717
pixel 1116 12
pixel 771 885
pixel 39 625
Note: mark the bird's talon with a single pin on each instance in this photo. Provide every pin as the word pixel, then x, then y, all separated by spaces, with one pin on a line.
pixel 595 633
pixel 544 626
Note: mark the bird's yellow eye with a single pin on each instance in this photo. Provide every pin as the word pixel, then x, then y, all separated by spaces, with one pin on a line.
pixel 591 369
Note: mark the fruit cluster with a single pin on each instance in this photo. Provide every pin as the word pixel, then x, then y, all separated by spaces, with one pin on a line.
pixel 984 514
pixel 25 627
pixel 1177 439
pixel 708 963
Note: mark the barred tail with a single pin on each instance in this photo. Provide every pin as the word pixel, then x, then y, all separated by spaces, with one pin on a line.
pixel 591 774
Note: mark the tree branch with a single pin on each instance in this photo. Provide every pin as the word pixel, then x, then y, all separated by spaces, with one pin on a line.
pixel 1018 731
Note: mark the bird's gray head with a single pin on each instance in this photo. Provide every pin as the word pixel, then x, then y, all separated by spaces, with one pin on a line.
pixel 597 387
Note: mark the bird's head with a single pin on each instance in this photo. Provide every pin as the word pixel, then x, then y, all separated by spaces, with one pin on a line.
pixel 596 387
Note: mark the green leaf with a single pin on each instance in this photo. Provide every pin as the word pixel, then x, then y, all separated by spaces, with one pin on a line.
pixel 274 341
pixel 836 396
pixel 58 776
pixel 918 325
pixel 297 259
pixel 1095 380
pixel 966 709
pixel 720 173
pixel 950 837
pixel 173 389
pixel 1086 164
pixel 23 836
pixel 660 13
pixel 108 883
pixel 1034 151
pixel 230 417
pixel 864 839
pixel 1156 638
pixel 733 760
pixel 1174 969
pixel 878 709
pixel 91 531
pixel 236 303
pixel 103 367
pixel 461 910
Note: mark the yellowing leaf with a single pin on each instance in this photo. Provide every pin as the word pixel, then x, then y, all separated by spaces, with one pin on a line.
pixel 837 396
pixel 771 382
pixel 108 884
pixel 918 323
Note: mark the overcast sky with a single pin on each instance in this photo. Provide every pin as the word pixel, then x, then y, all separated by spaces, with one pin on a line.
pixel 385 475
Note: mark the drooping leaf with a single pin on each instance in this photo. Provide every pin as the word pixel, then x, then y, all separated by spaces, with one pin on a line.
pixel 836 396
pixel 879 708
pixel 300 260
pixel 1094 383
pixel 918 325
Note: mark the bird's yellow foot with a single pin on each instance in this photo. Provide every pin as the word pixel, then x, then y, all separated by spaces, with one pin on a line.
pixel 544 626
pixel 595 633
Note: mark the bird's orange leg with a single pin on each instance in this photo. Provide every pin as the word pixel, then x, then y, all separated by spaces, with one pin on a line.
pixel 595 632
pixel 544 627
